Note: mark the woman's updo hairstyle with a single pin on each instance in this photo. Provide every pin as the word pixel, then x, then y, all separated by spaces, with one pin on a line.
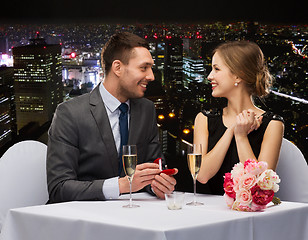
pixel 246 60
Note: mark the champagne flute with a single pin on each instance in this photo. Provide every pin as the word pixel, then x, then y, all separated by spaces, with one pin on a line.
pixel 194 157
pixel 129 158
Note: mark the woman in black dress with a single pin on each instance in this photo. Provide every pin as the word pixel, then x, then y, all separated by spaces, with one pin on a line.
pixel 240 131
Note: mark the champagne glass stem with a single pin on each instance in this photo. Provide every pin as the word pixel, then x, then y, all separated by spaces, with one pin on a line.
pixel 130 193
pixel 195 190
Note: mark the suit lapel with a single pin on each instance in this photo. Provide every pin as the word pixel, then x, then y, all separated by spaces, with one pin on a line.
pixel 99 113
pixel 133 122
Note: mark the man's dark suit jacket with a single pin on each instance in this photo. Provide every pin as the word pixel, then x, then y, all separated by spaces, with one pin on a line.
pixel 81 148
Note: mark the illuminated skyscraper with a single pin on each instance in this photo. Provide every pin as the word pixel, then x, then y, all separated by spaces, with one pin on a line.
pixel 193 70
pixel 173 67
pixel 157 49
pixel 7 106
pixel 38 81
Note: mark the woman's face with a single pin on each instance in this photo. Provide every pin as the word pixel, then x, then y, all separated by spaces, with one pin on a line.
pixel 222 79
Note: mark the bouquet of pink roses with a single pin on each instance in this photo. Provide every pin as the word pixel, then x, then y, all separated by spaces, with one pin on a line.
pixel 250 186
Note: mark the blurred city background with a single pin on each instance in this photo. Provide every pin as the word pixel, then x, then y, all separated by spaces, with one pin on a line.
pixel 43 65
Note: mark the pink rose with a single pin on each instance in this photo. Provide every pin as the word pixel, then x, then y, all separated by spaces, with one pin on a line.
pixel 250 162
pixel 254 167
pixel 229 200
pixel 256 207
pixel 244 208
pixel 261 197
pixel 237 171
pixel 240 207
pixel 228 185
pixel 262 166
pixel 244 197
pixel 247 181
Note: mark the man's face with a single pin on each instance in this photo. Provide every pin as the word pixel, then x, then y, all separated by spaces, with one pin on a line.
pixel 136 74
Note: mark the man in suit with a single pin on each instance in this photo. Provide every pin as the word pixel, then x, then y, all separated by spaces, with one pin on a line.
pixel 83 157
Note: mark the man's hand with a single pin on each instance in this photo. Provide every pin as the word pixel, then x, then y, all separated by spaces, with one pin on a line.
pixel 144 175
pixel 163 184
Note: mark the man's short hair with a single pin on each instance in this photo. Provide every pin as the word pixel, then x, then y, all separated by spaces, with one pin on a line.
pixel 119 47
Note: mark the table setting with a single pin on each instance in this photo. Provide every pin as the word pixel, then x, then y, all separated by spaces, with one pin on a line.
pixel 154 220
pixel 180 216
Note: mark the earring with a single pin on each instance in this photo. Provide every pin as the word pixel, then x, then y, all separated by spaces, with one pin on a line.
pixel 236 84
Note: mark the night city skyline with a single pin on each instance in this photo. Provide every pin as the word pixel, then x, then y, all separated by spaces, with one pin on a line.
pixel 181 90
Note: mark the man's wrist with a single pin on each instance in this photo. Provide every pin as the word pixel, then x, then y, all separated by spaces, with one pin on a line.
pixel 111 188
pixel 123 185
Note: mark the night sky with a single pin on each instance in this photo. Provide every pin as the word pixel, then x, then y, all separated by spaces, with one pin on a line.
pixel 180 11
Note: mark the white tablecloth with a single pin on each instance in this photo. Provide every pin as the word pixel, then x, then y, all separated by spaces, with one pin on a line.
pixel 108 220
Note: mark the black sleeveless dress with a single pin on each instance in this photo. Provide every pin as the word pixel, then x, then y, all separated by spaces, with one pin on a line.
pixel 216 130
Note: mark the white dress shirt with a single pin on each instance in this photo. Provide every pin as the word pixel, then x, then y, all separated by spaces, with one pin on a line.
pixel 111 186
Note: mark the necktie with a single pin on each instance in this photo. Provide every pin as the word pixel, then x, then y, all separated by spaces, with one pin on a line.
pixel 123 122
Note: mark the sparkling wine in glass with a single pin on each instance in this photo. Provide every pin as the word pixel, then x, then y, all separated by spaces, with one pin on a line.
pixel 194 158
pixel 129 158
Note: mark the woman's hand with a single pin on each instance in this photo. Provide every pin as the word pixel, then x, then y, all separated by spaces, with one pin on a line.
pixel 256 124
pixel 246 122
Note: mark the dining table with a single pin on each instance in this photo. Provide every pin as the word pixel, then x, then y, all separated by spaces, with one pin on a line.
pixel 89 220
